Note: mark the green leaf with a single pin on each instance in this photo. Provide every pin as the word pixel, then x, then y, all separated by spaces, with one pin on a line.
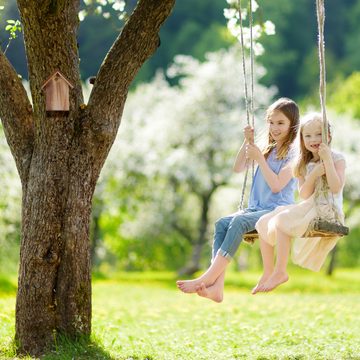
pixel 8 27
pixel 10 21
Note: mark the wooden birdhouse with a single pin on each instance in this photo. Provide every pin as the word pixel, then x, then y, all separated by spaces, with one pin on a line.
pixel 57 89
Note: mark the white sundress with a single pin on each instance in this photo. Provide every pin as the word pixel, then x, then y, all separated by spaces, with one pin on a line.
pixel 294 220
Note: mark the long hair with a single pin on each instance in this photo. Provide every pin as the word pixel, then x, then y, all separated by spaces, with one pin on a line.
pixel 290 109
pixel 305 156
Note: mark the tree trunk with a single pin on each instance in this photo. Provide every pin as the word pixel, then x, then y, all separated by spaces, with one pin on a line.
pixel 194 263
pixel 332 262
pixel 59 156
pixel 54 276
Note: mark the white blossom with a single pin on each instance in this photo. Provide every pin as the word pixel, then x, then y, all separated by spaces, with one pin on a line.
pixel 119 5
pixel 189 133
pixel 254 5
pixel 82 15
pixel 269 28
pixel 102 2
pixel 233 25
pixel 230 13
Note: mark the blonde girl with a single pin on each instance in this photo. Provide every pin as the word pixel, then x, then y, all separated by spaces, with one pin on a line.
pixel 280 226
pixel 273 185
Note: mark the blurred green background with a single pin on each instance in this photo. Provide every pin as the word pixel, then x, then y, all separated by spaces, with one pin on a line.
pixel 168 176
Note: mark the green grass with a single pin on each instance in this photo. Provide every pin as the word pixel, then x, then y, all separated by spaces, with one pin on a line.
pixel 7 285
pixel 143 316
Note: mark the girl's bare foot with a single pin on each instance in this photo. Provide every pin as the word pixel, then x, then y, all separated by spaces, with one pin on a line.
pixel 276 279
pixel 189 286
pixel 212 292
pixel 215 272
pixel 261 282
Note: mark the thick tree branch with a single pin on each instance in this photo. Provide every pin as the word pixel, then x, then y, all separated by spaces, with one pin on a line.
pixel 137 42
pixel 16 115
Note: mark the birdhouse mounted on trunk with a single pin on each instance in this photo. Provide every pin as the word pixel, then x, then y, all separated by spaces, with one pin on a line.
pixel 57 89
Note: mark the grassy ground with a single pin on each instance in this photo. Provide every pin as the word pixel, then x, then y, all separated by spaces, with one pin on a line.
pixel 143 316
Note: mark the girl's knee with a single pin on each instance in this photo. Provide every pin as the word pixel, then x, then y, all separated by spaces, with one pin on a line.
pixel 279 219
pixel 261 226
pixel 262 221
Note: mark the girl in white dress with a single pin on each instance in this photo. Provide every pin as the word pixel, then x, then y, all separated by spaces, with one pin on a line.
pixel 286 222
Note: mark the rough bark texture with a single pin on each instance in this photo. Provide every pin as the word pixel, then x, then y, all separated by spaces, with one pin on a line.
pixel 59 157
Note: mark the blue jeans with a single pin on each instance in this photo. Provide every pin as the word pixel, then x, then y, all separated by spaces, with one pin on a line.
pixel 229 231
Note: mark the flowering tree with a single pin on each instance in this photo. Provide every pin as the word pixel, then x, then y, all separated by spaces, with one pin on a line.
pixel 183 140
pixel 59 156
pixel 234 24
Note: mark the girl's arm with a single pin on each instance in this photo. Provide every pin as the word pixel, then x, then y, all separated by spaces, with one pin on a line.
pixel 275 181
pixel 307 186
pixel 241 161
pixel 335 172
pixel 335 175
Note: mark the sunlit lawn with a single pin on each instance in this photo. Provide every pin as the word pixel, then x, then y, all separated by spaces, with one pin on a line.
pixel 145 317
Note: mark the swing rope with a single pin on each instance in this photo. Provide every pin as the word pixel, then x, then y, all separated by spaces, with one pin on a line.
pixel 320 12
pixel 249 102
pixel 252 60
pixel 328 222
pixel 326 210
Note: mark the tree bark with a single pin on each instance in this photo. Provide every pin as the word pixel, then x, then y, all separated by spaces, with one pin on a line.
pixel 59 157
pixel 194 263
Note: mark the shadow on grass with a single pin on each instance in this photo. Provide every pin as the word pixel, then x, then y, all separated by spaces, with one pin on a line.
pixel 80 349
pixel 67 349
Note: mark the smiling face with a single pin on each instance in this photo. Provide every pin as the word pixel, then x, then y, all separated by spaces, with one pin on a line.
pixel 279 127
pixel 311 136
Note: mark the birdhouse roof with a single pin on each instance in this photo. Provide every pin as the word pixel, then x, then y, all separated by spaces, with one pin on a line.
pixel 57 73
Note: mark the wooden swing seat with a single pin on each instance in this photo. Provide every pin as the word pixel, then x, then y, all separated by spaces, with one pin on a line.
pixel 322 228
pixel 251 236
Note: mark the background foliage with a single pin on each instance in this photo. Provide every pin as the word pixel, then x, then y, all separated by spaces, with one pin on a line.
pixel 168 176
pixel 196 28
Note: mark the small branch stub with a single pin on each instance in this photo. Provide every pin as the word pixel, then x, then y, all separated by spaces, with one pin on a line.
pixel 57 89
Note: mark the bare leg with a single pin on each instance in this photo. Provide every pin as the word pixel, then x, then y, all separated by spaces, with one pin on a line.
pixel 267 254
pixel 279 275
pixel 214 292
pixel 217 267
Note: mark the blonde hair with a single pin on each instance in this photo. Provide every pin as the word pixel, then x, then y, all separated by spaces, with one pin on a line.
pixel 305 156
pixel 290 109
